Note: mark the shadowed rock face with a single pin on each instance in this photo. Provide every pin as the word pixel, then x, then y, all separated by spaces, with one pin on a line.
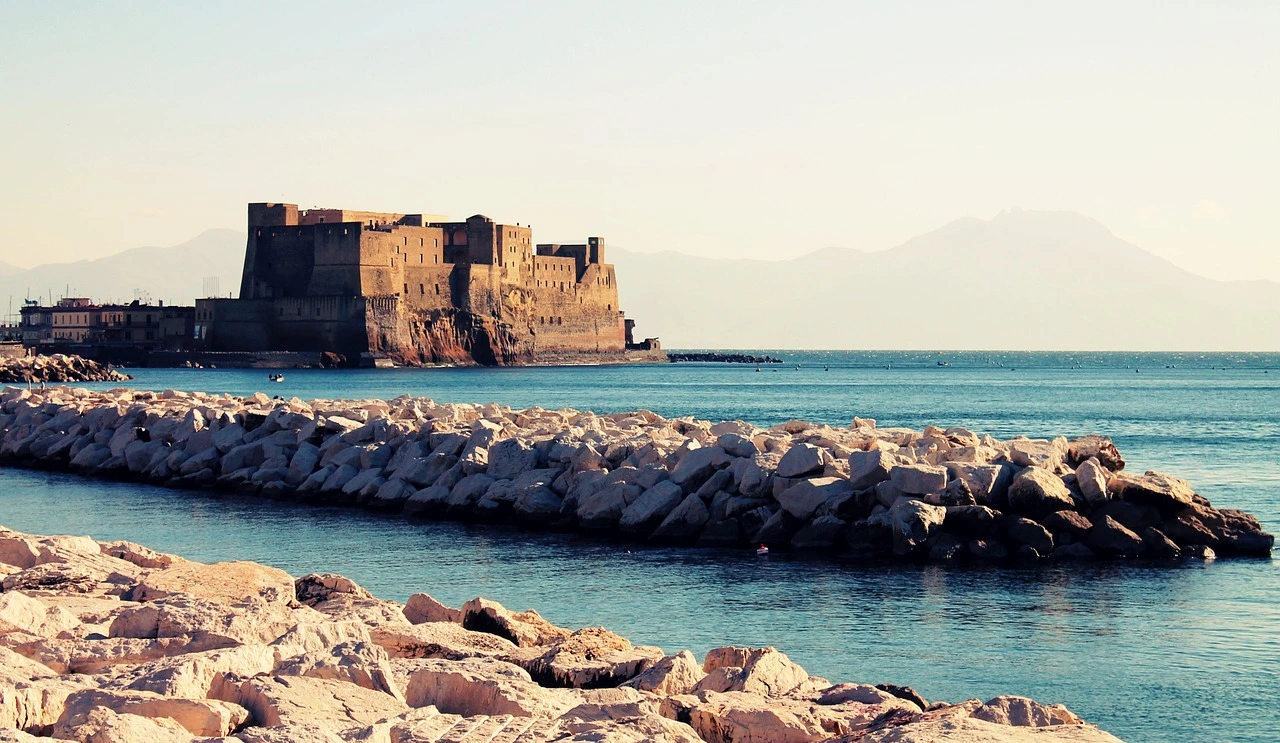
pixel 215 651
pixel 936 494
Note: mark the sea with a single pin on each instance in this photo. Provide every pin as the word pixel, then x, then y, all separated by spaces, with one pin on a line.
pixel 1148 650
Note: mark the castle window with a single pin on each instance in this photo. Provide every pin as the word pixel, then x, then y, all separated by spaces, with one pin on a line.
pixel 420 242
pixel 422 289
pixel 420 259
pixel 406 241
pixel 406 288
pixel 437 290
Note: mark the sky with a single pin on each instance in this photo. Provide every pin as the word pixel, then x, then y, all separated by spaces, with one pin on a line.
pixel 761 130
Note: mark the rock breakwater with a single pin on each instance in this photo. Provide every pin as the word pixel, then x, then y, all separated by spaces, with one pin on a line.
pixel 109 642
pixel 56 368
pixel 941 494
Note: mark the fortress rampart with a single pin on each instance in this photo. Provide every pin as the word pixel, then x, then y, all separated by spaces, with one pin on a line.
pixel 414 288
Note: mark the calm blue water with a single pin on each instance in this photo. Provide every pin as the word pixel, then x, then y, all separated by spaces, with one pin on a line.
pixel 1150 651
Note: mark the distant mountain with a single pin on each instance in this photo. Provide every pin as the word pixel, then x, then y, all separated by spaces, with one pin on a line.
pixel 1023 280
pixel 175 275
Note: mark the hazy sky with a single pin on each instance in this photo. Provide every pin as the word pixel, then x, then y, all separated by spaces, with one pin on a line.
pixel 734 128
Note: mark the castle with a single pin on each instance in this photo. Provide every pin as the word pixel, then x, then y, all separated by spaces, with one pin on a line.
pixel 414 288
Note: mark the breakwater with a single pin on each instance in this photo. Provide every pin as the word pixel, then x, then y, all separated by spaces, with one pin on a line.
pixel 113 641
pixel 56 368
pixel 721 357
pixel 943 494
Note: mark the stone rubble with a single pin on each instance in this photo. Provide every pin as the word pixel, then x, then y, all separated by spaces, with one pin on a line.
pixel 157 648
pixel 862 491
pixel 56 368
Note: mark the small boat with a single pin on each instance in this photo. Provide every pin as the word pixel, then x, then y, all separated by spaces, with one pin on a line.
pixel 274 377
pixel 943 363
pixel 762 550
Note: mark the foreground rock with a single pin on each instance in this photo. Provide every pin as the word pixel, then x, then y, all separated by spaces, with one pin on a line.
pixel 57 368
pixel 941 494
pixel 151 647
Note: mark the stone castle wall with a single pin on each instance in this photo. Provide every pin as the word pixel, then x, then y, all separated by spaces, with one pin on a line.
pixel 413 290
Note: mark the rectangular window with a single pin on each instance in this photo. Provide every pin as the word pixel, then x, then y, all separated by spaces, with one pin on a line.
pixel 422 289
pixel 406 288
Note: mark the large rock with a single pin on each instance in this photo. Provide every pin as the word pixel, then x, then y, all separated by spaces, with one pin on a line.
pixel 361 663
pixel 763 671
pixel 697 466
pixel 650 509
pixel 422 607
pixel 526 628
pixel 804 498
pixel 918 479
pixel 1228 531
pixel 591 658
pixel 970 522
pixel 1154 489
pixel 1023 712
pixel 223 581
pixel 1108 537
pixel 869 468
pixel 313 703
pixel 203 717
pixel 674 674
pixel 1025 531
pixel 445 640
pixel 191 675
pixel 1091 478
pixel 482 686
pixel 684 522
pixel 603 509
pixel 913 521
pixel 1036 491
pixel 803 459
pixel 510 458
pixel 1048 455
pixel 22 613
pixel 988 483
pixel 1094 447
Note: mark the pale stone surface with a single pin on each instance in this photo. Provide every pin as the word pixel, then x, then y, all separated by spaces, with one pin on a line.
pixel 422 608
pixel 1092 479
pixel 674 674
pixel 1036 490
pixel 224 581
pixel 918 479
pixel 482 686
pixel 913 521
pixel 203 717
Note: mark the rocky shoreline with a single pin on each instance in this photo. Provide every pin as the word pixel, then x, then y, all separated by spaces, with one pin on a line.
pixel 107 642
pixel 56 368
pixel 860 491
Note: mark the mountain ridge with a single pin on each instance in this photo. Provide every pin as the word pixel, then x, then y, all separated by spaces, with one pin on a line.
pixel 1025 279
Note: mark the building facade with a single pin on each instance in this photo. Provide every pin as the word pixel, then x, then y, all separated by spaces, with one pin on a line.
pixel 413 288
pixel 107 332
